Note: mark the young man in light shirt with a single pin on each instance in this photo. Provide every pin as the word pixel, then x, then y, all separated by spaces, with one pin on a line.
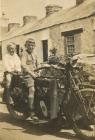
pixel 29 63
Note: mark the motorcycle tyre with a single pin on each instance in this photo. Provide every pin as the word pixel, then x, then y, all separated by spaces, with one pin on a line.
pixel 78 130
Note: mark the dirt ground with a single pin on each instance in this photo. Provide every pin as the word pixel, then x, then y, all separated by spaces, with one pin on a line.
pixel 11 129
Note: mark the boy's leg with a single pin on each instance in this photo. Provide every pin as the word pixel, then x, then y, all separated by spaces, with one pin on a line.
pixel 7 88
pixel 31 98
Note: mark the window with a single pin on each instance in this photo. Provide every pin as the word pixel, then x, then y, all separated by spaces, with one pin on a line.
pixel 0 52
pixel 72 41
pixel 45 50
pixel 69 41
pixel 17 49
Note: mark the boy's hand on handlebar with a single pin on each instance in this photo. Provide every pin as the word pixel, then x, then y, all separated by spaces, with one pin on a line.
pixel 34 75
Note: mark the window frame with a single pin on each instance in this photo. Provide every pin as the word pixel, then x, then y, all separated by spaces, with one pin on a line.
pixel 72 33
pixel 45 49
pixel 0 51
pixel 70 44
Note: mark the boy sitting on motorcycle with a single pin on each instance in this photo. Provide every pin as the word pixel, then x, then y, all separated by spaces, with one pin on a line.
pixel 29 63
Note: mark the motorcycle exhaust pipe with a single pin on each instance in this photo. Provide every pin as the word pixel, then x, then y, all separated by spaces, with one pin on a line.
pixel 53 99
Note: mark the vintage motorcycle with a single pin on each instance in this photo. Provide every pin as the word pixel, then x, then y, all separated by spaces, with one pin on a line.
pixel 57 98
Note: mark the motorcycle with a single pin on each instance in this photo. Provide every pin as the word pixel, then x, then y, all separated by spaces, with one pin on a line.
pixel 57 98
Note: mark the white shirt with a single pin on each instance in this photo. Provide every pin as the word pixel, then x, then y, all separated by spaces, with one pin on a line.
pixel 29 61
pixel 12 63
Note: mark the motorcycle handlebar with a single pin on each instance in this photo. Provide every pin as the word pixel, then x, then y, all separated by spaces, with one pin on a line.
pixel 49 66
pixel 49 77
pixel 15 73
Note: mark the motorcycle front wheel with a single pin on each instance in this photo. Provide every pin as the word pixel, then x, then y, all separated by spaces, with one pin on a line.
pixel 85 126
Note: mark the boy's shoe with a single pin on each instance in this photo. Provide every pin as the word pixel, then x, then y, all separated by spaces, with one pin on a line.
pixel 34 117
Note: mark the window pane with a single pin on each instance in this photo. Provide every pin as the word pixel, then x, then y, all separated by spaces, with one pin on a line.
pixel 70 40
pixel 70 44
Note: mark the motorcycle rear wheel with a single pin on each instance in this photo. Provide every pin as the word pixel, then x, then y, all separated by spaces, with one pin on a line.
pixel 14 111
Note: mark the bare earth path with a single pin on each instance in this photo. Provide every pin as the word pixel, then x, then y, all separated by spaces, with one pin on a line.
pixel 11 129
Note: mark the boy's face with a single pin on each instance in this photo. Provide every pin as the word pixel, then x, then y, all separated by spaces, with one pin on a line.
pixel 30 47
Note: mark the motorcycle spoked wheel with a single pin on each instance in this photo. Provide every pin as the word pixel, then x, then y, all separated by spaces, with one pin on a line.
pixel 14 109
pixel 82 131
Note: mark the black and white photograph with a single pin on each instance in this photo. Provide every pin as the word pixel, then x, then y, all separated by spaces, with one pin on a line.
pixel 47 69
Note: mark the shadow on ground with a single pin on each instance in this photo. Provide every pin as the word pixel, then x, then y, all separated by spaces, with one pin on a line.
pixel 34 129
